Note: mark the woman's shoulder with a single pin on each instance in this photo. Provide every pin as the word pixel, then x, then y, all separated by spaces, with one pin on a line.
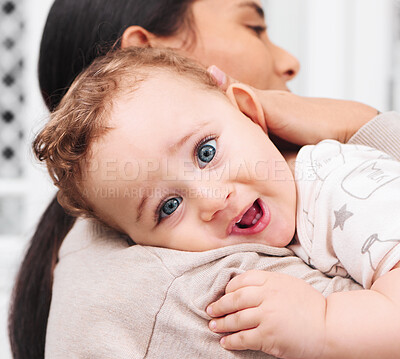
pixel 87 233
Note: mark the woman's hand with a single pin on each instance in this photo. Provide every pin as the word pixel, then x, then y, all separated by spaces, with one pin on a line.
pixel 304 120
pixel 272 312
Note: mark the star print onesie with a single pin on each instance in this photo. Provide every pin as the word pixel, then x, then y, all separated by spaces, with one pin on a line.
pixel 348 207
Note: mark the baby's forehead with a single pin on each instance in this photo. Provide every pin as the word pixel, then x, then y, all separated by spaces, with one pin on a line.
pixel 166 91
pixel 162 108
pixel 164 80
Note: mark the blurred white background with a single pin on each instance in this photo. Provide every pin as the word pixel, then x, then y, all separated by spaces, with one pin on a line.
pixel 348 49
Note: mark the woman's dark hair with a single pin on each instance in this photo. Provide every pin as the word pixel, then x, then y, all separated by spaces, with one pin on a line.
pixel 76 32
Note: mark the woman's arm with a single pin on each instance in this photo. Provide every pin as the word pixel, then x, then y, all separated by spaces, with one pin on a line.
pixel 301 120
pixel 382 133
pixel 307 120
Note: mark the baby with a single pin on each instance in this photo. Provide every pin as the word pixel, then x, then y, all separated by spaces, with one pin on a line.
pixel 145 142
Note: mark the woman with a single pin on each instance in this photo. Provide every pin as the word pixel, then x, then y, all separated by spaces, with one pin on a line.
pixel 219 32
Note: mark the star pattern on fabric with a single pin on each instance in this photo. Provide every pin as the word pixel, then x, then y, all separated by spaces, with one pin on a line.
pixel 341 216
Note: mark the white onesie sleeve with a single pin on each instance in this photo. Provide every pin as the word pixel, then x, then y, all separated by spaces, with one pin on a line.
pixel 348 210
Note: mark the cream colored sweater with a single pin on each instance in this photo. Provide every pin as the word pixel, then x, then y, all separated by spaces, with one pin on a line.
pixel 111 300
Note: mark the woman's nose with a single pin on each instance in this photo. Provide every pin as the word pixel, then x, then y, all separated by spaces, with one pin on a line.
pixel 286 65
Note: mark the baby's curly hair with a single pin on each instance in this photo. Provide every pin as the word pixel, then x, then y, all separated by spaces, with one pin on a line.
pixel 82 115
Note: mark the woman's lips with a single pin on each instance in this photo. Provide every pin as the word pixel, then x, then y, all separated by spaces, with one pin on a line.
pixel 254 220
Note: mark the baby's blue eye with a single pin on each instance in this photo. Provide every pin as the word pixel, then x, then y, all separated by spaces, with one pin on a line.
pixel 170 206
pixel 206 153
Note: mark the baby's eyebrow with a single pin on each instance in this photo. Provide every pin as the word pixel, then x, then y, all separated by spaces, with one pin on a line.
pixel 174 148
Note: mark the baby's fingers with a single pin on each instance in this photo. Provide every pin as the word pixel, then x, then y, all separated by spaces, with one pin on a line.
pixel 244 319
pixel 245 339
pixel 243 298
pixel 252 277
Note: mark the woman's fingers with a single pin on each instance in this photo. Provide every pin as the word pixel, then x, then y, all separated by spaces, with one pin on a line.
pixel 241 320
pixel 223 80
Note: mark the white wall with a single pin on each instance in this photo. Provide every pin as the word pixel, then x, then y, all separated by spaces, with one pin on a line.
pixel 395 74
pixel 39 187
pixel 35 186
pixel 344 46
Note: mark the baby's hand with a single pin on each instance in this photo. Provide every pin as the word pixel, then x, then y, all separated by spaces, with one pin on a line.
pixel 272 312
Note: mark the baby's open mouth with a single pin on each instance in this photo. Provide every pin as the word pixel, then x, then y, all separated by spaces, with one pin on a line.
pixel 254 220
pixel 251 217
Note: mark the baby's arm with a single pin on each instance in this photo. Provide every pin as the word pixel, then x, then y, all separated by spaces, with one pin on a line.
pixel 365 323
pixel 286 317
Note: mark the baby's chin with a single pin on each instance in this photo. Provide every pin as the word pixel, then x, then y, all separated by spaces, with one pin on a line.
pixel 281 238
pixel 278 236
pixel 280 233
pixel 276 242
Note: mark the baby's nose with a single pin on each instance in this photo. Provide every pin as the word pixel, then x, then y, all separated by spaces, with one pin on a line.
pixel 211 204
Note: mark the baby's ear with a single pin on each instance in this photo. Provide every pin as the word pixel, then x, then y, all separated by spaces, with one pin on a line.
pixel 244 98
